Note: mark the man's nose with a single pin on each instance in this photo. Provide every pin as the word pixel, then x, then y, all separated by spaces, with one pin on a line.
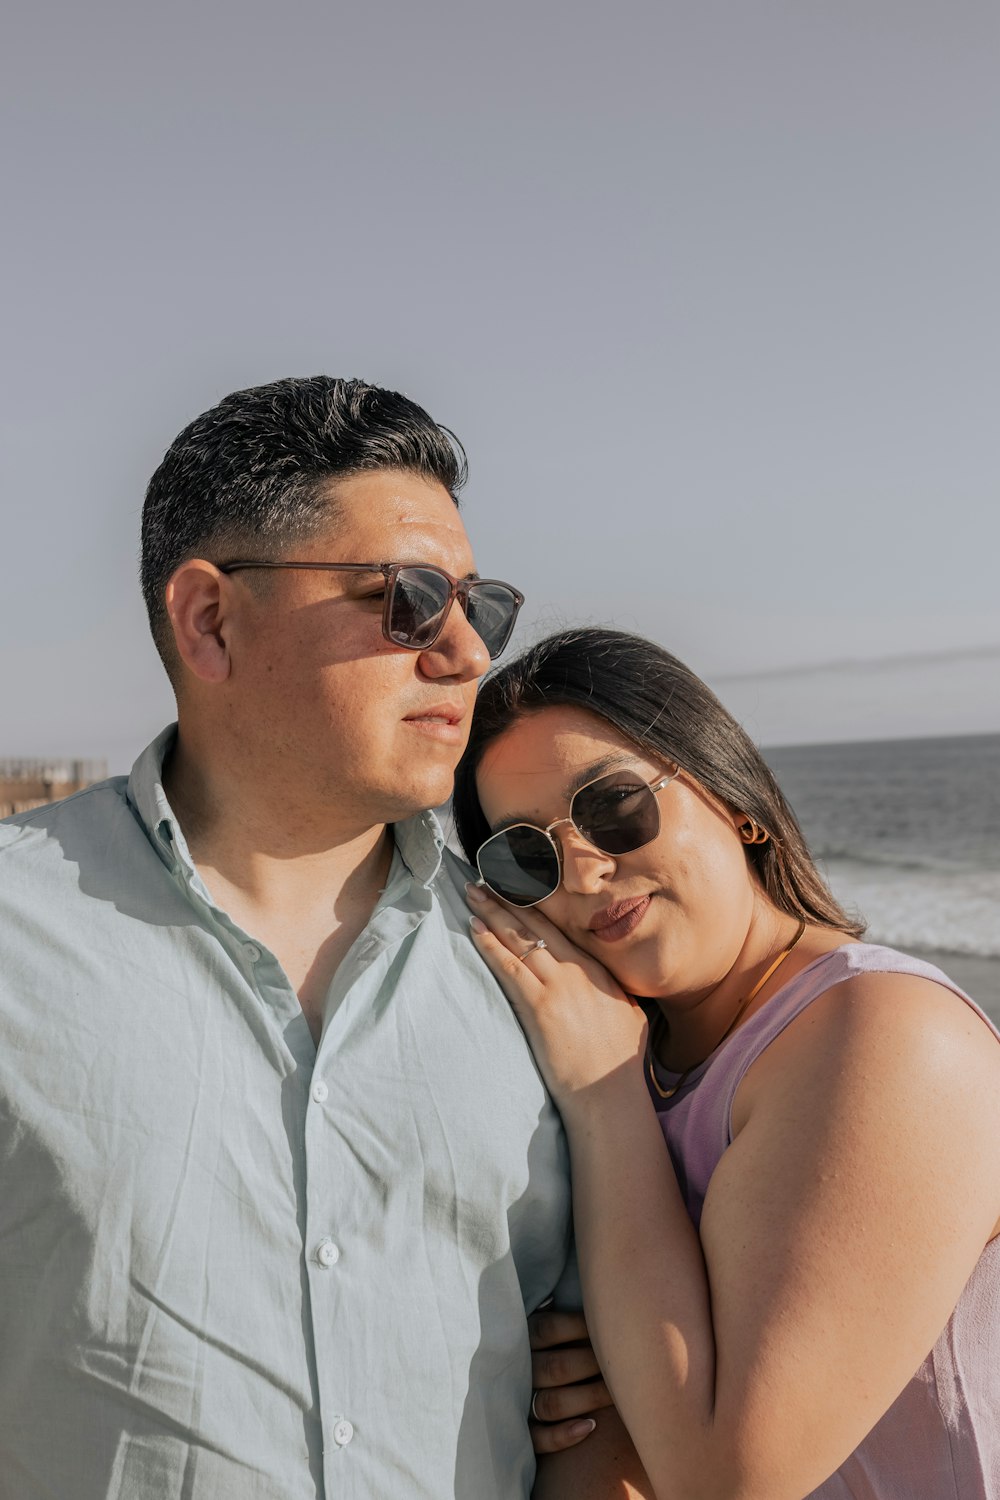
pixel 584 867
pixel 458 651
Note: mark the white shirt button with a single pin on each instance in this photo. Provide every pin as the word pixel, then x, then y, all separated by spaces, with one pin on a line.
pixel 327 1253
pixel 343 1432
pixel 320 1091
pixel 252 952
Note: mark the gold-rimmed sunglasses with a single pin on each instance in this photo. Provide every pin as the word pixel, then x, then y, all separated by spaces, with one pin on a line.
pixel 617 813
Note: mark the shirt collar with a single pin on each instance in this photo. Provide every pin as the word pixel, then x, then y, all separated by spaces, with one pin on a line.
pixel 146 794
pixel 419 839
pixel 421 843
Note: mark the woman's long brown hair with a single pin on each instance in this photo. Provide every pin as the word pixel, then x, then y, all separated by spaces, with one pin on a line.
pixel 659 704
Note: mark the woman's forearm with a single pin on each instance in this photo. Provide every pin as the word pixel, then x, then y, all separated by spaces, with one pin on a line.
pixel 646 1291
pixel 603 1467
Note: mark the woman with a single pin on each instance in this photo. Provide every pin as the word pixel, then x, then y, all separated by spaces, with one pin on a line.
pixel 790 1266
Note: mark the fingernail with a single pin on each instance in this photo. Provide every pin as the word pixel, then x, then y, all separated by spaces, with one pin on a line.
pixel 475 892
pixel 580 1430
pixel 477 925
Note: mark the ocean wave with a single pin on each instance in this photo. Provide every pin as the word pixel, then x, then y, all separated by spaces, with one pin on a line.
pixel 909 906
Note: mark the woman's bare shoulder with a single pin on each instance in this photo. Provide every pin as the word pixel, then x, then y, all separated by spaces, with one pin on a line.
pixel 876 1020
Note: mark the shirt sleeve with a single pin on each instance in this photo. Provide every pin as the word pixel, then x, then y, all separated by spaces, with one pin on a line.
pixel 567 1292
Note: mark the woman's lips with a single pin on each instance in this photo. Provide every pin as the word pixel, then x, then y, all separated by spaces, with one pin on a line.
pixel 618 921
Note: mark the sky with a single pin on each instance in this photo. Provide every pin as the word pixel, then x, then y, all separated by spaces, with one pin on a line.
pixel 708 291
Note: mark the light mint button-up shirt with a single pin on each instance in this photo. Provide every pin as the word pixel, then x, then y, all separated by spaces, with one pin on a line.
pixel 233 1265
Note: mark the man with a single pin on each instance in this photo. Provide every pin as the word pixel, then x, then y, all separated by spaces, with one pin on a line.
pixel 278 1177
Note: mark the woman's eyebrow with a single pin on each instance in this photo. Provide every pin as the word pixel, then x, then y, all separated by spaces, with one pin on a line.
pixel 613 762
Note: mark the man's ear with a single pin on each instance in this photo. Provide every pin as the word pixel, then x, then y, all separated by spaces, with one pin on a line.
pixel 197 600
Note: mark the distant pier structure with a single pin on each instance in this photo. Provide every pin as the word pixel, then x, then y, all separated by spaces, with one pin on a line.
pixel 26 783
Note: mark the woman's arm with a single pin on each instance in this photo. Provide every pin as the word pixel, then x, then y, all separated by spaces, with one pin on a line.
pixel 839 1228
pixel 604 1467
pixel 838 1233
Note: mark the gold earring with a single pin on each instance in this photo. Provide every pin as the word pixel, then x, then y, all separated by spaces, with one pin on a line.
pixel 752 833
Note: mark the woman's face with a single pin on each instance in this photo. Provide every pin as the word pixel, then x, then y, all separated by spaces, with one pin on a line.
pixel 668 920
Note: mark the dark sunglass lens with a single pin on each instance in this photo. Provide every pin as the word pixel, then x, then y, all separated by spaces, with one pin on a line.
pixel 520 864
pixel 618 813
pixel 419 598
pixel 492 611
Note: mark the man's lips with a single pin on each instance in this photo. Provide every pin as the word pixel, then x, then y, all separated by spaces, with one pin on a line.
pixel 438 713
pixel 618 921
pixel 440 721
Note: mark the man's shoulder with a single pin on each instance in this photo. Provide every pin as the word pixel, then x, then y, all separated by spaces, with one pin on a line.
pixel 450 881
pixel 457 871
pixel 447 891
pixel 78 818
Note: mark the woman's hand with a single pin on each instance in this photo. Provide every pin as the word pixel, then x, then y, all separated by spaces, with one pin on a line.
pixel 566 1380
pixel 582 1026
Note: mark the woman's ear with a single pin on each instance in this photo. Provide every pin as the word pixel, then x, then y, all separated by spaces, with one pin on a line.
pixel 749 831
pixel 197 600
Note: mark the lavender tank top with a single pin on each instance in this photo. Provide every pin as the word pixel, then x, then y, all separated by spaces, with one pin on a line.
pixel 940 1439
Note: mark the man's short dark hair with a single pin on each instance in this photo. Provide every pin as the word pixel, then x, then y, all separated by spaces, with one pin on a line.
pixel 255 472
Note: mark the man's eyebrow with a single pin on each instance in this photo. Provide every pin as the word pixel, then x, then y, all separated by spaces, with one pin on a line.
pixel 612 762
pixel 420 562
pixel 365 575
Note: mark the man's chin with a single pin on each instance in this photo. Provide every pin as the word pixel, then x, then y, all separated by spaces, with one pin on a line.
pixel 419 793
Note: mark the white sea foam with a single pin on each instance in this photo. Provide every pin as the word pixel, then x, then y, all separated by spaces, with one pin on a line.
pixel 907 907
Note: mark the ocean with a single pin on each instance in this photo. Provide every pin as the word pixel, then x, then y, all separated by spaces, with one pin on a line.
pixel 908 833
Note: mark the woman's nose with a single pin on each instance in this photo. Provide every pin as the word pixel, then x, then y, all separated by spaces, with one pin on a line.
pixel 585 867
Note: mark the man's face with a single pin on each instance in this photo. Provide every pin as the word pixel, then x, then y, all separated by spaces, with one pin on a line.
pixel 321 695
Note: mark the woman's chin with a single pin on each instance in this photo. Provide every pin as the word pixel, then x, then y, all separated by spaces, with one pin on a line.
pixel 651 976
pixel 644 980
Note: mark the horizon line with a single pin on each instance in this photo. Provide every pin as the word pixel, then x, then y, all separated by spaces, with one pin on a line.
pixel 864 663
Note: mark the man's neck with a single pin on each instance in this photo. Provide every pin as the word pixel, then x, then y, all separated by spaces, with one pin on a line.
pixel 305 886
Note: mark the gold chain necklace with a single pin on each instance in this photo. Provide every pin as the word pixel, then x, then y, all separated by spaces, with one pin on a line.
pixel 672 1090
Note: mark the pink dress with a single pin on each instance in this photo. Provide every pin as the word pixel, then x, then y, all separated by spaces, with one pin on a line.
pixel 940 1439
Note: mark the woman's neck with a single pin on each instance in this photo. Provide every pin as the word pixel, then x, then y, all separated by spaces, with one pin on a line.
pixel 688 1028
